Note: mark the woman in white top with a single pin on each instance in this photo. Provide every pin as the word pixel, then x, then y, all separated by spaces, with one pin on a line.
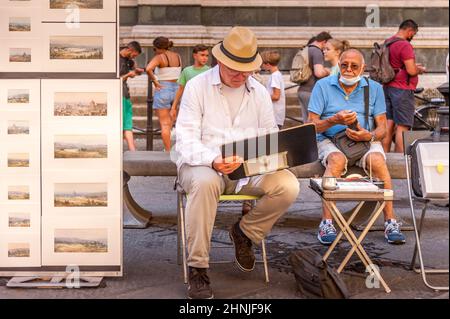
pixel 332 52
pixel 164 69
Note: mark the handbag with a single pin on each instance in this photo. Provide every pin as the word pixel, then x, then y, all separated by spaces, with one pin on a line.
pixel 354 150
pixel 315 278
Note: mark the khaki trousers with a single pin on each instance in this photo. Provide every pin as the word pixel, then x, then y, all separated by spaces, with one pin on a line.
pixel 204 186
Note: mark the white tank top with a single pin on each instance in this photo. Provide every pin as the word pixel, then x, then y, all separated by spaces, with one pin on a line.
pixel 170 72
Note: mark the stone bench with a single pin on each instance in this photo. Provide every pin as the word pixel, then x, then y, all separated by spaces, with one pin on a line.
pixel 150 163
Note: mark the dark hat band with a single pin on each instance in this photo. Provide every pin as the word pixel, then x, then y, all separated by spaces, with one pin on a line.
pixel 236 58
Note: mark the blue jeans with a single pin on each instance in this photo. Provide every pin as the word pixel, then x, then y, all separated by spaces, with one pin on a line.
pixel 163 98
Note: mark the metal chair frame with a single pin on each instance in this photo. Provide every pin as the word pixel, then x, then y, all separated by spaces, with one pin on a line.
pixel 181 238
pixel 408 138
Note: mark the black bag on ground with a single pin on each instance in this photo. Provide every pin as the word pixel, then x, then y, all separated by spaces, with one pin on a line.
pixel 353 150
pixel 315 278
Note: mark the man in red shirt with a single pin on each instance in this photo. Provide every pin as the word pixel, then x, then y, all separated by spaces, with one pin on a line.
pixel 399 92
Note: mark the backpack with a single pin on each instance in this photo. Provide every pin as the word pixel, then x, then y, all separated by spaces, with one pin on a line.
pixel 301 71
pixel 381 69
pixel 315 278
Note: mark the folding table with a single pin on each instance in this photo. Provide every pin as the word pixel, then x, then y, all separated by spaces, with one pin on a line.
pixel 329 198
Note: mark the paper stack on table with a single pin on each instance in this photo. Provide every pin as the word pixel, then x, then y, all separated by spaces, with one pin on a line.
pixel 356 186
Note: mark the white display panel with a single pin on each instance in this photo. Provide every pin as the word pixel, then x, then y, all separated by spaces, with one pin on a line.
pixel 69 101
pixel 21 55
pixel 81 124
pixel 20 250
pixel 20 95
pixel 20 189
pixel 20 127
pixel 90 48
pixel 82 241
pixel 20 174
pixel 20 219
pixel 50 148
pixel 83 11
pixel 20 159
pixel 81 193
pixel 20 23
pixel 20 3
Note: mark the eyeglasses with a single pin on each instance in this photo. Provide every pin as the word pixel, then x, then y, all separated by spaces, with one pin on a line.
pixel 234 73
pixel 355 67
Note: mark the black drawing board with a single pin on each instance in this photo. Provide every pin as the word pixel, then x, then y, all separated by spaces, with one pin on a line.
pixel 298 145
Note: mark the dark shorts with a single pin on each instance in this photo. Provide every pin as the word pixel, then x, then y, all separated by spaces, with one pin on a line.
pixel 400 105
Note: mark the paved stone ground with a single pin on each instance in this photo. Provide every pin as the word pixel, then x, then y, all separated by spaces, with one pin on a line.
pixel 151 270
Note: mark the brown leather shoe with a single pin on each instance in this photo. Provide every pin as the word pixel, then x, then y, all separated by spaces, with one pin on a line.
pixel 244 256
pixel 246 207
pixel 199 284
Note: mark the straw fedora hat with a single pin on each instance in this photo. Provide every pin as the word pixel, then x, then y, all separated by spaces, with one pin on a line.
pixel 239 50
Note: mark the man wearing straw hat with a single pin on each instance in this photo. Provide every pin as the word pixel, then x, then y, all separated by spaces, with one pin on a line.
pixel 222 105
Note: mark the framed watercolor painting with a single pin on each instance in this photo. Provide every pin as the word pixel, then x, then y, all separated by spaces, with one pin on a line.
pixel 82 241
pixel 90 48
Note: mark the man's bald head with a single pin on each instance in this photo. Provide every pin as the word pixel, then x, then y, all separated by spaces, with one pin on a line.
pixel 352 54
pixel 351 63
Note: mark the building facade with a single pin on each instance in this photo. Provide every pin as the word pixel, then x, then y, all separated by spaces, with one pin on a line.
pixel 286 24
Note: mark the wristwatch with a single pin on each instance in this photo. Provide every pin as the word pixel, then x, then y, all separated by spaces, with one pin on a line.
pixel 373 137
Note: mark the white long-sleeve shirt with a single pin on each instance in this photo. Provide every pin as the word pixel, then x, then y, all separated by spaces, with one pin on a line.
pixel 204 122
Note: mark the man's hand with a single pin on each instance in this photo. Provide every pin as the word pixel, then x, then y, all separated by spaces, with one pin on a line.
pixel 420 68
pixel 139 71
pixel 345 117
pixel 131 74
pixel 227 165
pixel 361 135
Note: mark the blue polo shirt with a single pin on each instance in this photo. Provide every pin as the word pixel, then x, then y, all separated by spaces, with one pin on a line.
pixel 329 98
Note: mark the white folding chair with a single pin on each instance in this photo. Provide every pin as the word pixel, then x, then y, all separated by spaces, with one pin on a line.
pixel 408 138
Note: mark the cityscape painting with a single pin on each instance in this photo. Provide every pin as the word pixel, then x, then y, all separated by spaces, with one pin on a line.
pixel 81 195
pixel 18 96
pixel 81 4
pixel 76 48
pixel 22 55
pixel 18 128
pixel 18 160
pixel 18 193
pixel 18 250
pixel 19 220
pixel 19 24
pixel 81 241
pixel 80 104
pixel 81 146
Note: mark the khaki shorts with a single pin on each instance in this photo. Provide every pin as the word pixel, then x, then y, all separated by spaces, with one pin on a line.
pixel 326 147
